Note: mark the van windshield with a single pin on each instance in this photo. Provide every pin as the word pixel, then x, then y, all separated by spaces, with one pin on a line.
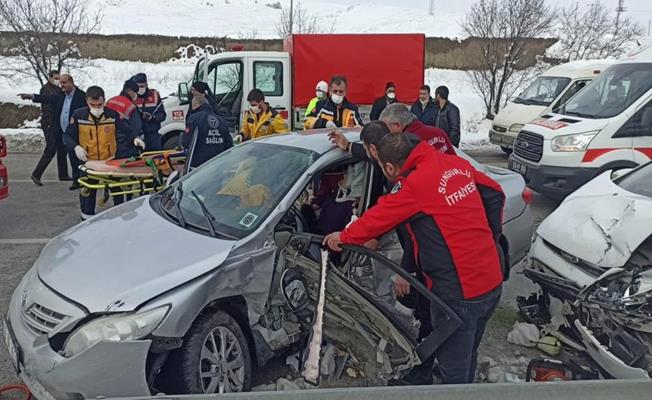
pixel 612 92
pixel 542 91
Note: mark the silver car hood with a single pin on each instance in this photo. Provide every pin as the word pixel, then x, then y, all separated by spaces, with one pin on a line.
pixel 599 223
pixel 125 256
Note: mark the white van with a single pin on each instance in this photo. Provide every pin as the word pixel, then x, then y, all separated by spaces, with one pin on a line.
pixel 553 88
pixel 606 126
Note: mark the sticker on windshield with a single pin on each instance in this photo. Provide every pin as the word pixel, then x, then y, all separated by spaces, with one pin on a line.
pixel 248 220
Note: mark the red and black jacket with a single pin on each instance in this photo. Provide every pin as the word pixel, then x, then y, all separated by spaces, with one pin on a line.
pixel 453 215
pixel 435 137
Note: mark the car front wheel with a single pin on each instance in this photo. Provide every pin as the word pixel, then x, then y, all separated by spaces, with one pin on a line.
pixel 215 357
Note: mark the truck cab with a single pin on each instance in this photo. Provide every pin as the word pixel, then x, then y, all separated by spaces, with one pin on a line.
pixel 606 126
pixel 550 90
pixel 230 76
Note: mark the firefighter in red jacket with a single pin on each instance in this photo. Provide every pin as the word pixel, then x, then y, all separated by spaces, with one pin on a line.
pixel 453 214
pixel 125 105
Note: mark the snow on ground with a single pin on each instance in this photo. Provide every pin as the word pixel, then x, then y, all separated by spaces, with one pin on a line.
pixel 255 19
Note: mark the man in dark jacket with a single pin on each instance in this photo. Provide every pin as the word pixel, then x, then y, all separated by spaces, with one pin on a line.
pixel 453 214
pixel 448 115
pixel 152 112
pixel 69 99
pixel 425 108
pixel 336 111
pixel 399 119
pixel 206 135
pixel 53 141
pixel 382 102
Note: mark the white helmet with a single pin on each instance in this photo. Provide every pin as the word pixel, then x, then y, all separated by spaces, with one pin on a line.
pixel 323 86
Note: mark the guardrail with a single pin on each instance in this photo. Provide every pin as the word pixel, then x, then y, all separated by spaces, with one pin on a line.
pixel 577 390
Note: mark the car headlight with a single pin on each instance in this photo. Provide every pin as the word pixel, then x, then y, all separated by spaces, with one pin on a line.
pixel 516 128
pixel 572 143
pixel 114 328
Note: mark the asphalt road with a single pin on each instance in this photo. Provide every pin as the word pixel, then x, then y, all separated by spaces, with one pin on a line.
pixel 32 215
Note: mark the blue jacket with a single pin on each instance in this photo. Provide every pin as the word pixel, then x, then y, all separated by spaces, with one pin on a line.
pixel 206 135
pixel 427 115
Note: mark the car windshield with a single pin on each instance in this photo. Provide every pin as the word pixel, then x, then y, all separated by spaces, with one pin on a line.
pixel 612 92
pixel 239 188
pixel 638 181
pixel 542 91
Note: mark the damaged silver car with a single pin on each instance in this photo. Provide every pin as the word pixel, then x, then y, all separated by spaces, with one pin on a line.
pixel 594 253
pixel 190 290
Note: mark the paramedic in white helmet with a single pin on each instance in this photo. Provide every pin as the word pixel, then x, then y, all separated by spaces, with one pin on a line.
pixel 321 91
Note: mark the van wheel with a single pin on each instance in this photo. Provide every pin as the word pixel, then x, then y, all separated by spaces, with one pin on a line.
pixel 172 142
pixel 507 150
pixel 214 357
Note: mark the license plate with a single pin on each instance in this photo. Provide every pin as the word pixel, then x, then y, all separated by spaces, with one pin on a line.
pixel 519 167
pixel 12 349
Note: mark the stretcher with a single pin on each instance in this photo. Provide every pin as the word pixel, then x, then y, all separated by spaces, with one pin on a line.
pixel 140 175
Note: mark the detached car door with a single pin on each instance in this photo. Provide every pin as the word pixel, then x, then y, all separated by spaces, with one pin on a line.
pixel 359 318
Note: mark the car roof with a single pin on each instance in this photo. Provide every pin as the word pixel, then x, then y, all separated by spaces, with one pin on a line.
pixel 316 139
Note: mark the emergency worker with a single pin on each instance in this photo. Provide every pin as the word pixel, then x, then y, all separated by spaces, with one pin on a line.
pixel 98 133
pixel 399 119
pixel 336 111
pixel 453 214
pixel 151 110
pixel 125 105
pixel 382 102
pixel 321 91
pixel 206 134
pixel 261 119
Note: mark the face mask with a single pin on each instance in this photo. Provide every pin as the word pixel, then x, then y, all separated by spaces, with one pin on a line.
pixel 97 112
pixel 255 109
pixel 320 94
pixel 337 99
pixel 391 95
pixel 56 82
pixel 141 91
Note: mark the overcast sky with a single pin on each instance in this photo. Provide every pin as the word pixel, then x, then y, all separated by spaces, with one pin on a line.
pixel 638 10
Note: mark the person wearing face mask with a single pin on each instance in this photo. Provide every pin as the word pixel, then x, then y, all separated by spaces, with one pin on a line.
pixel 63 100
pixel 335 111
pixel 382 102
pixel 425 108
pixel 261 119
pixel 125 105
pixel 98 133
pixel 321 91
pixel 151 110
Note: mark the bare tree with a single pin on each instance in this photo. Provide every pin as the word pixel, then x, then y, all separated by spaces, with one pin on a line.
pixel 40 35
pixel 505 27
pixel 299 20
pixel 593 32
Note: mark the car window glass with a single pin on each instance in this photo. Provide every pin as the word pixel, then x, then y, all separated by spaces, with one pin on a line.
pixel 640 124
pixel 542 91
pixel 199 71
pixel 572 90
pixel 617 88
pixel 268 77
pixel 224 78
pixel 638 181
pixel 242 186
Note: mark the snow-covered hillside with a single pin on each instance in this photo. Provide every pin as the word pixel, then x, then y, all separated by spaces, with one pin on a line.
pixel 256 19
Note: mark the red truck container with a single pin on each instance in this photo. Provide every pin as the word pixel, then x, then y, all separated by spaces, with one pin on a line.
pixel 368 61
pixel 4 178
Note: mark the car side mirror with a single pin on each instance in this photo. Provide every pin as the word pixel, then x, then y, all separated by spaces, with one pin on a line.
pixel 184 92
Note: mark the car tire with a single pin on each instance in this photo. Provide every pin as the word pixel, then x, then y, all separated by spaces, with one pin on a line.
pixel 172 142
pixel 506 150
pixel 201 369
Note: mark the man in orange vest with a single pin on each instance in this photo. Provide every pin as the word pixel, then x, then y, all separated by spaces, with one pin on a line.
pixel 125 105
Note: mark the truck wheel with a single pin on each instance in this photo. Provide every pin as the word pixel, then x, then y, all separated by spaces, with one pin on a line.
pixel 172 142
pixel 214 357
pixel 507 150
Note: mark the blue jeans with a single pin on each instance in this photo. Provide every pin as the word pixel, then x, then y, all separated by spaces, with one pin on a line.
pixel 458 355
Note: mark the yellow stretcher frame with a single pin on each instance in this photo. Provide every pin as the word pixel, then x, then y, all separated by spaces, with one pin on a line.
pixel 130 183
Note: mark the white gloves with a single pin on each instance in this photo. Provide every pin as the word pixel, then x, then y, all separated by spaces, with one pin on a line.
pixel 81 153
pixel 138 142
pixel 331 124
pixel 238 138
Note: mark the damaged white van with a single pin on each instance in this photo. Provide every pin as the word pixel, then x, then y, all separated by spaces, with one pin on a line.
pixel 606 126
pixel 549 91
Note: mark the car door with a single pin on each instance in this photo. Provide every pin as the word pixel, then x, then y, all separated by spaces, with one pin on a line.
pixel 379 335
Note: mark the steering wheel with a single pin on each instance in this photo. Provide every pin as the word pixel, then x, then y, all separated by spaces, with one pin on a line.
pixel 295 220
